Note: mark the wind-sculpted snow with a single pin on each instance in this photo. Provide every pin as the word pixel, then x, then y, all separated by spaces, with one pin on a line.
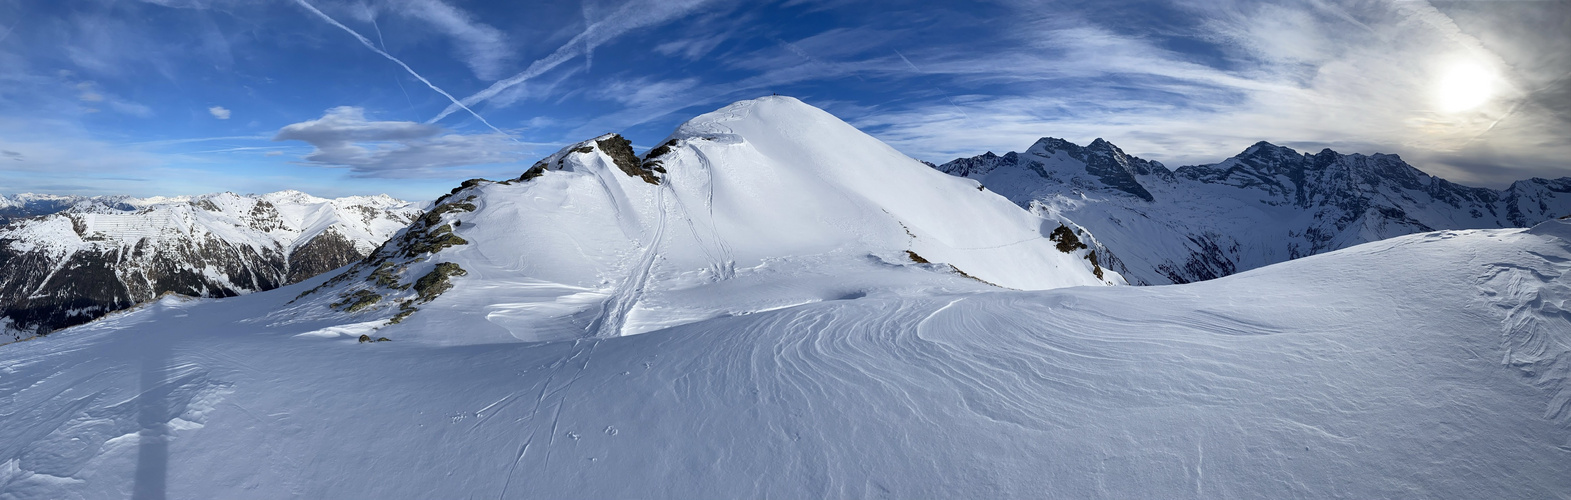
pixel 1536 290
pixel 1407 368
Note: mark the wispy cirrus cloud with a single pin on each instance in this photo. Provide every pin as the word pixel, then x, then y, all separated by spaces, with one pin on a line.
pixel 482 47
pixel 601 27
pixel 367 43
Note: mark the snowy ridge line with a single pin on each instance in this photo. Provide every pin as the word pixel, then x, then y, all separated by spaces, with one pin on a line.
pixel 1266 205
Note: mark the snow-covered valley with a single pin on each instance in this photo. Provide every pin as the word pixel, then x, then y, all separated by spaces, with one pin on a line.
pixel 773 304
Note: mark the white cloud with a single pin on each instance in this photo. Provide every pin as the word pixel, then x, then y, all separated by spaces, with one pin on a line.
pixel 483 48
pixel 1357 77
pixel 344 137
pixel 367 43
pixel 219 112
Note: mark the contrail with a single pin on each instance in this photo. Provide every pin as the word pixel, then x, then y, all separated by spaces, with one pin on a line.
pixel 8 31
pixel 908 62
pixel 383 42
pixel 951 100
pixel 626 18
pixel 367 43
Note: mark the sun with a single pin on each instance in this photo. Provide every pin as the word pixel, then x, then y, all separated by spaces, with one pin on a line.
pixel 1464 86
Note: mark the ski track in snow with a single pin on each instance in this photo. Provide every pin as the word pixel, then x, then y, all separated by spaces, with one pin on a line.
pixel 724 265
pixel 626 296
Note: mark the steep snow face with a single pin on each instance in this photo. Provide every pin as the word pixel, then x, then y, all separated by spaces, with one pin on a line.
pixel 764 204
pixel 106 254
pixel 1268 204
pixel 1424 366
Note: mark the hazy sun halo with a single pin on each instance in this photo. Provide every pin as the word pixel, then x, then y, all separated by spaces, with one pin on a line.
pixel 1464 86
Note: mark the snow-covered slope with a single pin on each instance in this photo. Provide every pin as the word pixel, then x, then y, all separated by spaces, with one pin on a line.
pixel 108 253
pixel 1424 366
pixel 761 205
pixel 1268 204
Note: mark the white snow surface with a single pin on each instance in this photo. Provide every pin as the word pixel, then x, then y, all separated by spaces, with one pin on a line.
pixel 767 203
pixel 1425 366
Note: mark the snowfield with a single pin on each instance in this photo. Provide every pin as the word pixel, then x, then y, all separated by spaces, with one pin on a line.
pixel 1435 365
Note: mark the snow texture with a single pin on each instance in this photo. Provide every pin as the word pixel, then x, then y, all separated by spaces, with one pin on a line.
pixel 1424 366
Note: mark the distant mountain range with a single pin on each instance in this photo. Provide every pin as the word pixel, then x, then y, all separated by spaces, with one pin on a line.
pixel 66 260
pixel 1266 205
pixel 25 205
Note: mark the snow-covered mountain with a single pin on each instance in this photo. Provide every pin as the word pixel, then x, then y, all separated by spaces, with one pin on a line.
pixel 1266 205
pixel 772 304
pixel 24 205
pixel 764 204
pixel 108 253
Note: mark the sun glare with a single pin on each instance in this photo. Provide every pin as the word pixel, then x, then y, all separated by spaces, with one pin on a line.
pixel 1463 87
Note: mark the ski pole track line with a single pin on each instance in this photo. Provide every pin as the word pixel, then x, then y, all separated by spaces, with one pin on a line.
pixel 728 260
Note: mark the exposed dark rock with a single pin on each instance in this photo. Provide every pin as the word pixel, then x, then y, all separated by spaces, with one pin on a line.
pixel 325 252
pixel 535 171
pixel 1096 267
pixel 621 152
pixel 405 309
pixel 652 158
pixel 436 282
pixel 360 299
pixel 1066 240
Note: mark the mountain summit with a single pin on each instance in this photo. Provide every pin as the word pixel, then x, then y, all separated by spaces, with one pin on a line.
pixel 1266 205
pixel 769 195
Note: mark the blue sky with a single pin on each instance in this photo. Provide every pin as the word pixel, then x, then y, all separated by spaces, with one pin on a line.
pixel 332 97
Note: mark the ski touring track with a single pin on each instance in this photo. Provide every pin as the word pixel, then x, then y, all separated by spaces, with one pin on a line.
pixel 722 261
pixel 609 324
